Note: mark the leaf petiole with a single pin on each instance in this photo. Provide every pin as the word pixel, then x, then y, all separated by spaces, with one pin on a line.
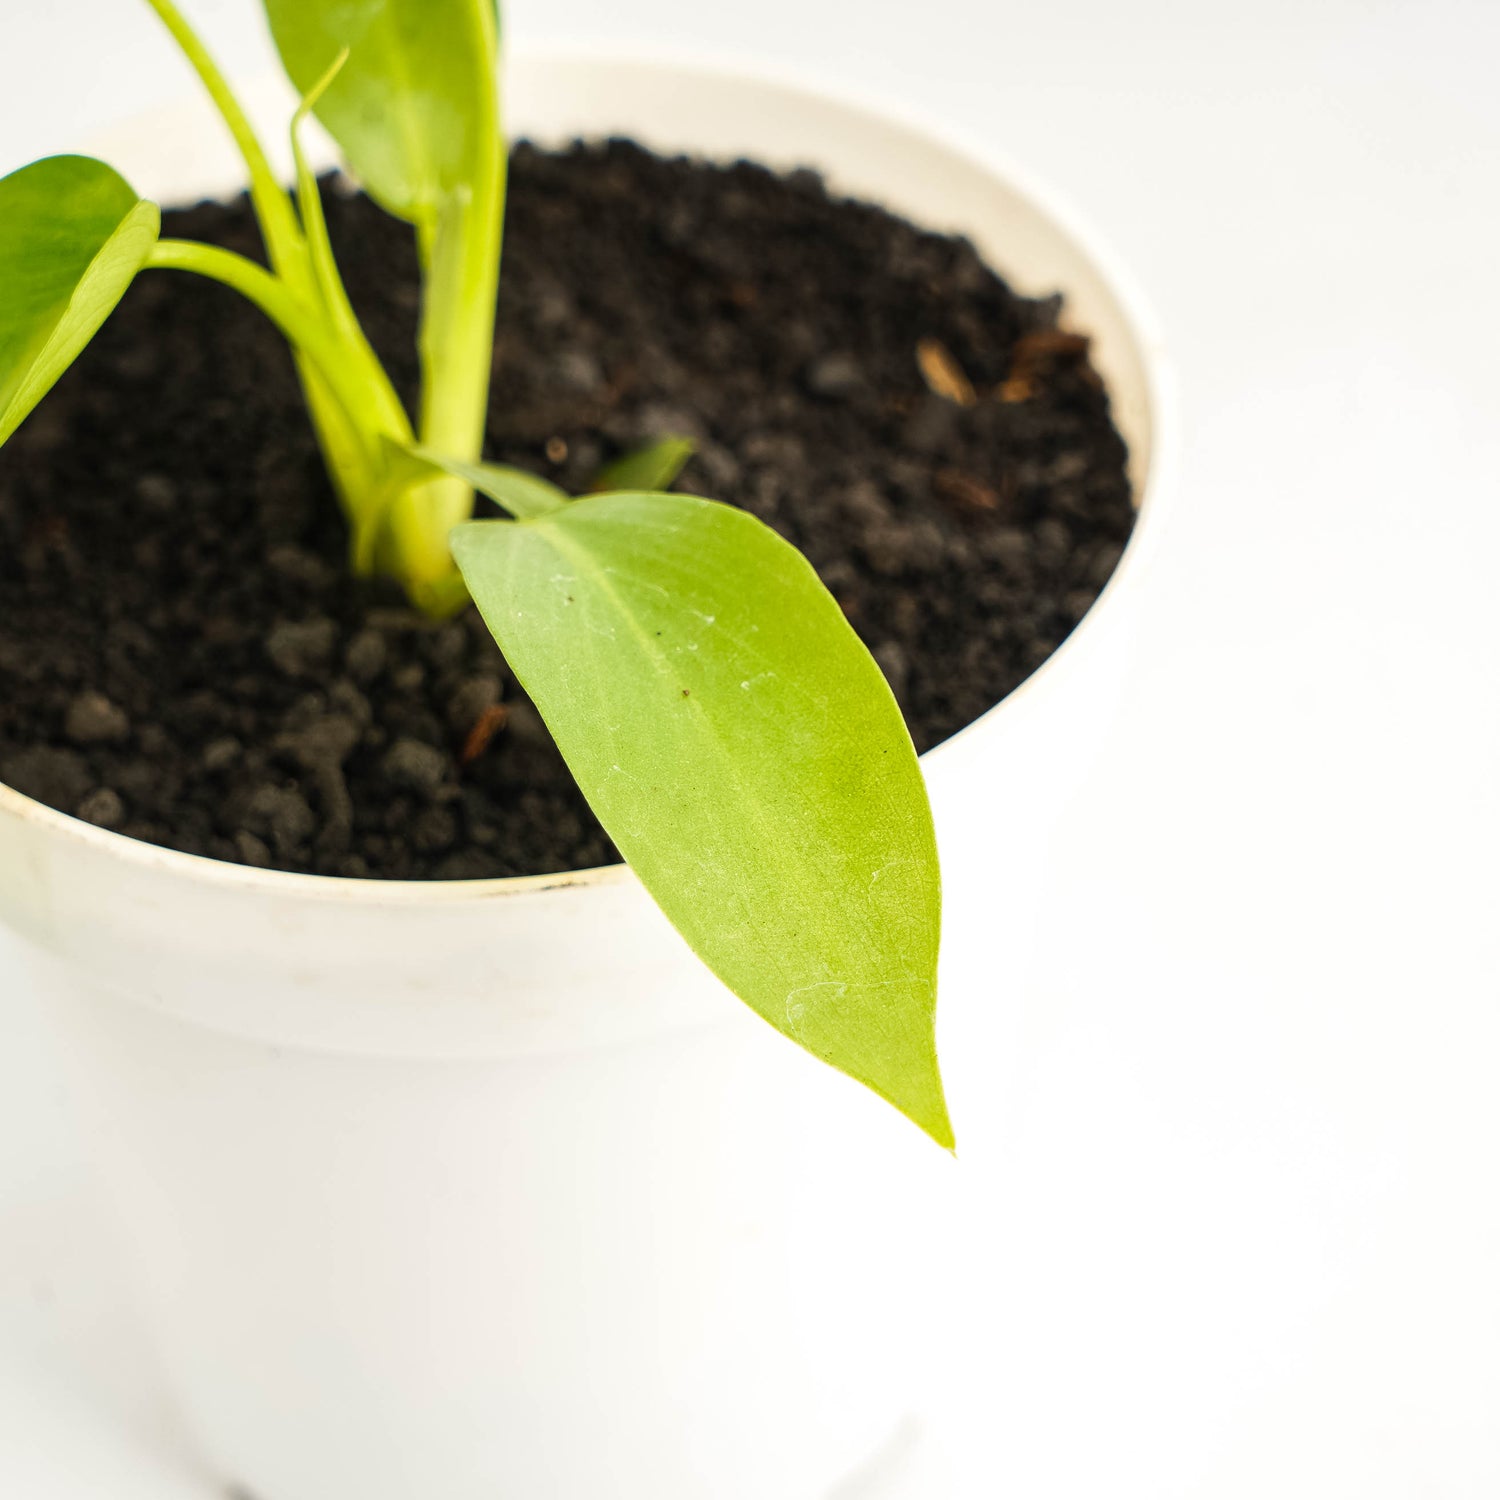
pixel 272 207
pixel 325 272
pixel 300 324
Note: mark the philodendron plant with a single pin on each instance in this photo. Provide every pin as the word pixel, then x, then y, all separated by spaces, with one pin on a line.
pixel 733 735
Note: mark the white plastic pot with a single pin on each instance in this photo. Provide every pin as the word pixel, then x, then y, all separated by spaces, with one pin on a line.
pixel 480 1190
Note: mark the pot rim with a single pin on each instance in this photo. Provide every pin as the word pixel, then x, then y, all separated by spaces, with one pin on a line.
pixel 1157 482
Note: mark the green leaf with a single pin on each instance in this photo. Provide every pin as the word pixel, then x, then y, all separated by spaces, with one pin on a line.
pixel 651 468
pixel 73 233
pixel 413 109
pixel 518 492
pixel 743 750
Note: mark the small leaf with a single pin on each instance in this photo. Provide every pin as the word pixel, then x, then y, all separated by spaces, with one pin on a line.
pixel 518 492
pixel 651 468
pixel 743 750
pixel 413 109
pixel 73 234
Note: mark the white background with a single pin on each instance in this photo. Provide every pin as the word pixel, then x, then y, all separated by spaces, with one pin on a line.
pixel 1253 1176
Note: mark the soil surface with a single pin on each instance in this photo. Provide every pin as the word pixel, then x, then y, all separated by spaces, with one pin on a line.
pixel 184 659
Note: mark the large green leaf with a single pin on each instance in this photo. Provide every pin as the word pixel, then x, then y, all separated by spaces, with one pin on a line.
pixel 413 108
pixel 73 234
pixel 743 750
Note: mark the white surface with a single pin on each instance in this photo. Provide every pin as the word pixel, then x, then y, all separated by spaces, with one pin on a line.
pixel 1243 1205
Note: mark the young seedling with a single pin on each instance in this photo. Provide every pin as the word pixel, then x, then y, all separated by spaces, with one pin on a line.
pixel 734 736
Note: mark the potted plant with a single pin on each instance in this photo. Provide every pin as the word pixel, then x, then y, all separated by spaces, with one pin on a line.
pixel 447 1187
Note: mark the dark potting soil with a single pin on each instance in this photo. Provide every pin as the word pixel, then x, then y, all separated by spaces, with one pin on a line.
pixel 184 659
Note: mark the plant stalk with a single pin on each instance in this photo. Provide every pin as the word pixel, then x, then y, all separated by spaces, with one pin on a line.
pixel 272 206
pixel 349 453
pixel 461 269
pixel 361 402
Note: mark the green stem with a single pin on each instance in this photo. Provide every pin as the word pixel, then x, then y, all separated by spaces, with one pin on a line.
pixel 272 207
pixel 321 262
pixel 461 266
pixel 363 493
pixel 345 449
pixel 457 341
pixel 302 327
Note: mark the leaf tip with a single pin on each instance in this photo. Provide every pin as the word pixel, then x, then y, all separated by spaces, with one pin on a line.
pixel 928 1110
pixel 909 1076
